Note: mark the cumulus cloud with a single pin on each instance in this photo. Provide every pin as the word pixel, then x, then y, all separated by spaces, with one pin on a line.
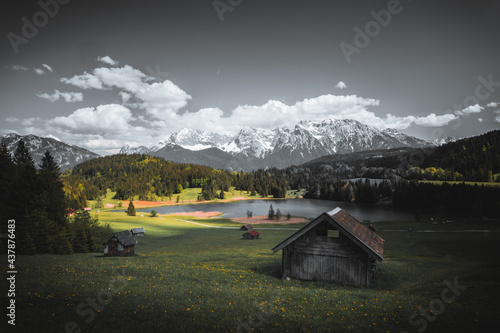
pixel 341 85
pixel 278 114
pixel 39 71
pixel 48 67
pixel 435 121
pixel 107 60
pixel 470 109
pixel 480 120
pixel 497 119
pixel 68 97
pixel 159 99
pixel 110 118
pixel 493 105
pixel 84 81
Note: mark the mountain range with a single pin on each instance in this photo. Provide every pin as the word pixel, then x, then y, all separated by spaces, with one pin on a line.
pixel 250 149
pixel 253 148
pixel 64 154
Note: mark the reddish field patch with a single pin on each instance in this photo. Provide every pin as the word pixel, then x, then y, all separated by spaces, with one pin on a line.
pixel 263 219
pixel 199 214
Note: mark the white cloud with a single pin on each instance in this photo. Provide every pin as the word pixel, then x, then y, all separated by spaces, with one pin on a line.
pixel 48 67
pixel 493 105
pixel 110 118
pixel 159 99
pixel 84 81
pixel 480 120
pixel 470 109
pixel 341 85
pixel 435 121
pixel 19 68
pixel 497 119
pixel 107 60
pixel 12 120
pixel 39 71
pixel 69 97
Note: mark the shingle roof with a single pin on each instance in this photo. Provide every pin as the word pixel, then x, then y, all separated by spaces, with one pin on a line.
pixel 352 228
pixel 247 226
pixel 124 237
pixel 362 233
pixel 138 230
pixel 253 233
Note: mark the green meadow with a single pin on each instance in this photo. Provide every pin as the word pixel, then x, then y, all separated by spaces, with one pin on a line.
pixel 191 278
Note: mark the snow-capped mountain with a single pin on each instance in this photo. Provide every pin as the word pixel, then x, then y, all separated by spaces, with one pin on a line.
pixel 64 154
pixel 251 142
pixel 129 150
pixel 254 148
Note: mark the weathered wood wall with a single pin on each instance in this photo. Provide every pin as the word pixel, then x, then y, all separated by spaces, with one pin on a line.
pixel 315 256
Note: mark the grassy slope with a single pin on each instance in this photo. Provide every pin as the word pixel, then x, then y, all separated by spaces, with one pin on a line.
pixel 188 278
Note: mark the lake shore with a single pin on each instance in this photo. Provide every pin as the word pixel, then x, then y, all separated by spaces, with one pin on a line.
pixel 264 219
pixel 142 204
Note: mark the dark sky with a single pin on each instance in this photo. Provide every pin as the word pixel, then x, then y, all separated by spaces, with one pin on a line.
pixel 431 70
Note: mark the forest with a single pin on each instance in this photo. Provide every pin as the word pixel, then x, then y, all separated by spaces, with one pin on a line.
pixel 34 198
pixel 153 178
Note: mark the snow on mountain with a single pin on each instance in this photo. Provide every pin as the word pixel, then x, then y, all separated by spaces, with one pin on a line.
pixel 134 150
pixel 282 146
pixel 440 142
pixel 251 142
pixel 64 154
pixel 198 140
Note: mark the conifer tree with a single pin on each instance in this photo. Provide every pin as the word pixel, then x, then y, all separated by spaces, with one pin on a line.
pixel 131 209
pixel 271 213
pixel 52 187
pixel 24 185
pixel 6 175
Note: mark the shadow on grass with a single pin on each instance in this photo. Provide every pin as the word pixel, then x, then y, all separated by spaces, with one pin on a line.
pixel 272 269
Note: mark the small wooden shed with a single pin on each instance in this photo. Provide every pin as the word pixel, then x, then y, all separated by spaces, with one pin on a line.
pixel 252 234
pixel 138 231
pixel 120 244
pixel 333 247
pixel 247 227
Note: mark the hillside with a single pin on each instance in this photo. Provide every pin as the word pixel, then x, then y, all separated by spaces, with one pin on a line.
pixel 65 155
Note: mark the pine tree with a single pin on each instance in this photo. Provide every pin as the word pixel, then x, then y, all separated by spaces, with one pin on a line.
pixel 131 209
pixel 278 214
pixel 24 186
pixel 6 174
pixel 62 243
pixel 53 188
pixel 99 203
pixel 271 213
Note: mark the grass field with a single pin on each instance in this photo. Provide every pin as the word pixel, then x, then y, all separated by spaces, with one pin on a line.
pixel 190 278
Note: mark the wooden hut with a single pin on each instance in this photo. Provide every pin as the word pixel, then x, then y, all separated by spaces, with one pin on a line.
pixel 333 247
pixel 120 244
pixel 247 227
pixel 138 232
pixel 252 234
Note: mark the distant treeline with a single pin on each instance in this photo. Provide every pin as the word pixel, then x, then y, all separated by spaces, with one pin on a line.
pixel 35 199
pixel 153 178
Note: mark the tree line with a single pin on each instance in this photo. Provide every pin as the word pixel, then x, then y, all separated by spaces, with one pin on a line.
pixel 154 179
pixel 34 197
